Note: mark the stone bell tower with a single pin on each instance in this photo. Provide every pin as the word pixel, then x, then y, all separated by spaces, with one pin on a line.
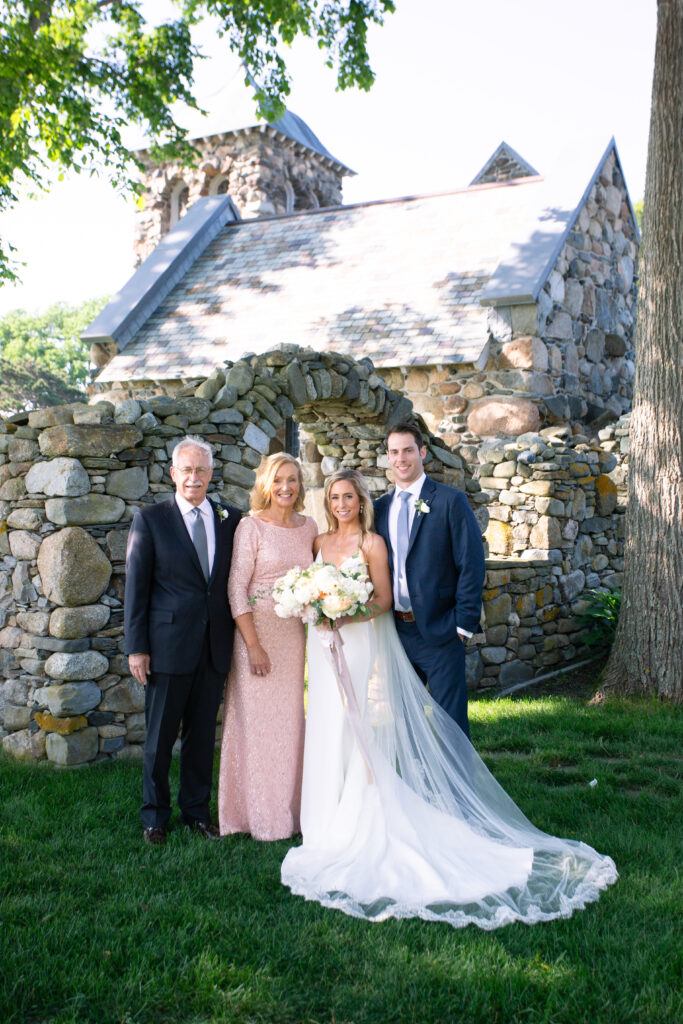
pixel 266 169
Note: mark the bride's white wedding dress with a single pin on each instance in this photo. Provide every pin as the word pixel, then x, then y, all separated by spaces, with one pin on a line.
pixel 409 822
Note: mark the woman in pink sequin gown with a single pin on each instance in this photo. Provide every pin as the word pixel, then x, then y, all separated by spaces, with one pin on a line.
pixel 259 787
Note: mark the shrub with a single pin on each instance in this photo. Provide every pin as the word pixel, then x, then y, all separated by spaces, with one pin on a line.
pixel 599 618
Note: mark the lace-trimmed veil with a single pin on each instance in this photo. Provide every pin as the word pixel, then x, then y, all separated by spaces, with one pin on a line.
pixel 413 743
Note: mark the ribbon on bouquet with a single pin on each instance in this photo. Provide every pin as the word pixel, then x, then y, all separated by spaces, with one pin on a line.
pixel 333 646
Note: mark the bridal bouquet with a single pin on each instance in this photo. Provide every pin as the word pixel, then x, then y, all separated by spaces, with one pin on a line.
pixel 322 593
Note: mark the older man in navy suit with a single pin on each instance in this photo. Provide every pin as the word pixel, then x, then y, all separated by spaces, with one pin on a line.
pixel 179 635
pixel 436 557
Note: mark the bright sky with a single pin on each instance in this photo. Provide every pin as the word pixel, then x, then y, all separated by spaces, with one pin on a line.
pixel 555 80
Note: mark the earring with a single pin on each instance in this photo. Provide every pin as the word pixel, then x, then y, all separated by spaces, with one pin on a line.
pixel 361 508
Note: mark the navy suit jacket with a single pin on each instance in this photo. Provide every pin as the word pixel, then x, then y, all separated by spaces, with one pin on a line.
pixel 445 563
pixel 168 604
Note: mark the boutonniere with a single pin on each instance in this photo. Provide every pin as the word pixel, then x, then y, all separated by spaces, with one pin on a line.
pixel 421 507
pixel 222 513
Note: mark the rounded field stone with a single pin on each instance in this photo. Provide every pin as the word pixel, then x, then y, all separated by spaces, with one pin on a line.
pixel 34 622
pixel 256 438
pixel 14 719
pixel 24 545
pixel 130 484
pixel 225 397
pixel 234 473
pixel 81 665
pixel 25 519
pixel 196 409
pixel 497 610
pixel 68 699
pixel 127 411
pixel 503 415
pixel 606 493
pixel 13 489
pixel 241 377
pixel 493 655
pixel 21 449
pixel 70 623
pixel 89 440
pixel 209 387
pixel 88 510
pixel 74 748
pixel 25 745
pixel 49 723
pixel 42 418
pixel 73 568
pixel 58 478
pixel 127 696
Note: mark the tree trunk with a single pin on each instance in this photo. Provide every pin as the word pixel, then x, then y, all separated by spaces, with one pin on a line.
pixel 647 656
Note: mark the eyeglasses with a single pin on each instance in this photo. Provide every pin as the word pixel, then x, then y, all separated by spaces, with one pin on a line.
pixel 199 470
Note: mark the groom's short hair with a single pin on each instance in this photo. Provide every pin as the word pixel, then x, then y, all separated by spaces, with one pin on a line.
pixel 405 427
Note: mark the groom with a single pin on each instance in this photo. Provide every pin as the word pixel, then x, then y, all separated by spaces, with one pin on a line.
pixel 436 557
pixel 179 633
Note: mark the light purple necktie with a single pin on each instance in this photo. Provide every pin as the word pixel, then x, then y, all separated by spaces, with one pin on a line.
pixel 402 539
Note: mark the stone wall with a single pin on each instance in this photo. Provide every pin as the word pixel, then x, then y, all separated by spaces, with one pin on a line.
pixel 556 530
pixel 72 477
pixel 264 172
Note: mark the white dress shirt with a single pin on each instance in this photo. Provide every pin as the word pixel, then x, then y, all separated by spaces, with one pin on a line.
pixel 414 489
pixel 206 509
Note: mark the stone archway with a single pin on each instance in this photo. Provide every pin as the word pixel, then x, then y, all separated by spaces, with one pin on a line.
pixel 342 406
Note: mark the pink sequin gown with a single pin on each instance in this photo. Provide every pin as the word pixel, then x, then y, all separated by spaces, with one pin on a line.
pixel 259 786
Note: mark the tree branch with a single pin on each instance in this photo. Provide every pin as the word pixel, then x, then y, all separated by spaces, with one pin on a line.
pixel 41 16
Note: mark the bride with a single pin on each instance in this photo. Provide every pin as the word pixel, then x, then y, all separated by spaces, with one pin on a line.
pixel 399 815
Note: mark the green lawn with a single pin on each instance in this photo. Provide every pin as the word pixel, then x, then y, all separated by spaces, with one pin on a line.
pixel 97 927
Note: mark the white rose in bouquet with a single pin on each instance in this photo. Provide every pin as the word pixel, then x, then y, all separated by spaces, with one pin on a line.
pixel 334 605
pixel 322 593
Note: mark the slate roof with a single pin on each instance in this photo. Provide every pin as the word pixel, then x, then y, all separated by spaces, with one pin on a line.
pixel 403 281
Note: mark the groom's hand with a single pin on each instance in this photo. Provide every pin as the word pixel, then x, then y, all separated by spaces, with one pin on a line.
pixel 139 667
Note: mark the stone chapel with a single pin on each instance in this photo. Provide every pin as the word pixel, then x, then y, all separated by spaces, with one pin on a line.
pixel 501 313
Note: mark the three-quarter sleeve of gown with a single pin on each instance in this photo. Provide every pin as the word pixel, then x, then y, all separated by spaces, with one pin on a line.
pixel 244 552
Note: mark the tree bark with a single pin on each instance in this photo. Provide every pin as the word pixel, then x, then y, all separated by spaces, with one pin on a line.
pixel 647 656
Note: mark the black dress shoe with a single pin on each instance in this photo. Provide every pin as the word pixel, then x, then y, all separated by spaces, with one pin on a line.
pixel 155 836
pixel 205 828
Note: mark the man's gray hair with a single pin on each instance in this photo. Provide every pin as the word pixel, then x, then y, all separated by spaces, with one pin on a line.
pixel 190 441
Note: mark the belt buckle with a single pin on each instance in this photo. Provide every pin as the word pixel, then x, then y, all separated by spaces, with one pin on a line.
pixel 405 616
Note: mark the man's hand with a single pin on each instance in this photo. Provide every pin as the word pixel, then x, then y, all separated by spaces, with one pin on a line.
pixel 139 667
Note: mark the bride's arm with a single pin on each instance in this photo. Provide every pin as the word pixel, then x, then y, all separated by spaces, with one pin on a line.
pixel 378 570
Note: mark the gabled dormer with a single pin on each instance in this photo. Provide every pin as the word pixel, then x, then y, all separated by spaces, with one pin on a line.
pixel 504 165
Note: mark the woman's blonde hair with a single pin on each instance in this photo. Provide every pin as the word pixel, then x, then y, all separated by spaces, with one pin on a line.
pixel 357 480
pixel 259 499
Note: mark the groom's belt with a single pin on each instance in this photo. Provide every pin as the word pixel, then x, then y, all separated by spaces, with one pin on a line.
pixel 404 616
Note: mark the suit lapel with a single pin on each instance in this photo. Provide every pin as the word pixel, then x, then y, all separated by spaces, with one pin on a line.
pixel 426 494
pixel 176 521
pixel 220 541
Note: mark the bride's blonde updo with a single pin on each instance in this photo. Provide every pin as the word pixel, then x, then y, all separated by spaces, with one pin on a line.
pixel 366 515
pixel 259 498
